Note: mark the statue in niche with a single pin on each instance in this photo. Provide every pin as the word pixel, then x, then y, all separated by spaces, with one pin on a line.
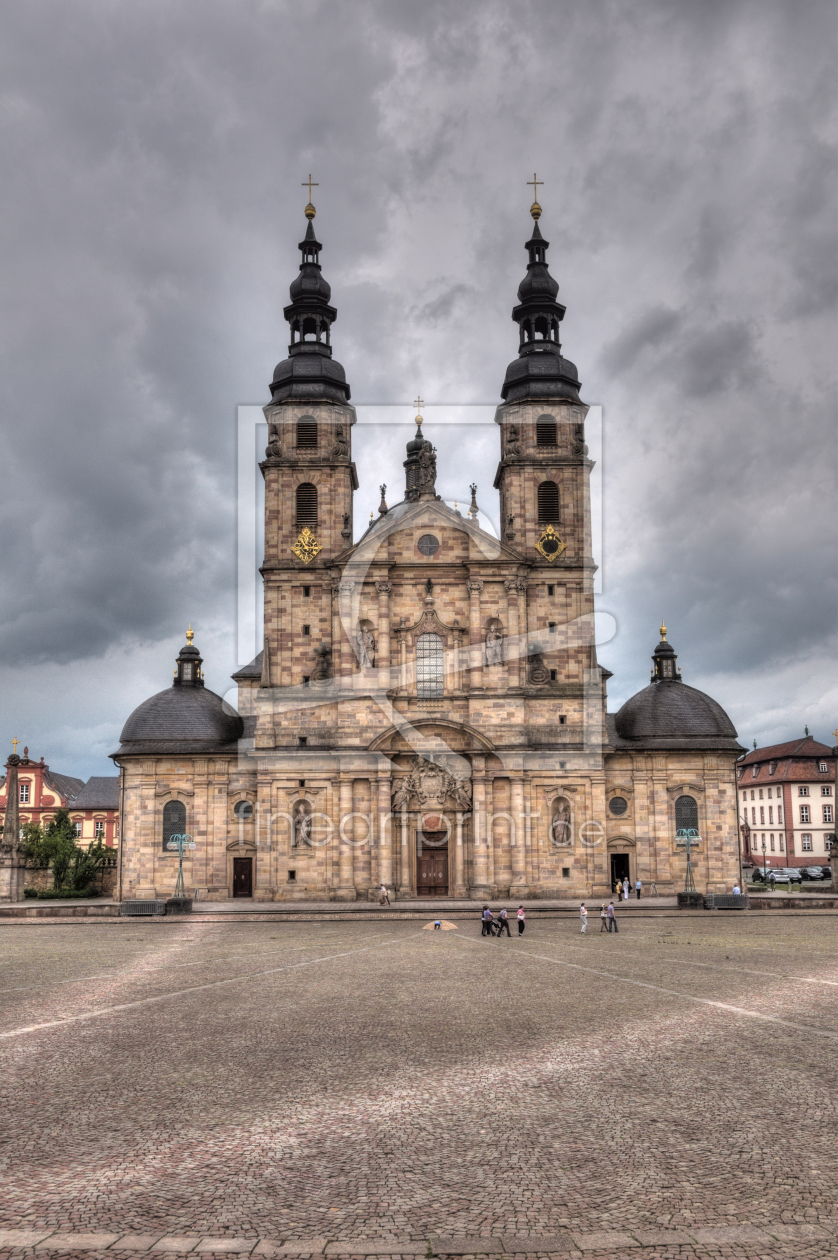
pixel 494 644
pixel 322 663
pixel 365 640
pixel 401 796
pixel 302 826
pixel 460 793
pixel 340 450
pixel 560 823
pixel 346 532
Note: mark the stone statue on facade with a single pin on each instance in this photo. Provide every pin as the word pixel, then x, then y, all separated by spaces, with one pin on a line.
pixel 401 796
pixel 302 826
pixel 494 645
pixel 560 824
pixel 340 449
pixel 365 640
pixel 273 449
pixel 513 443
pixel 322 663
pixel 427 469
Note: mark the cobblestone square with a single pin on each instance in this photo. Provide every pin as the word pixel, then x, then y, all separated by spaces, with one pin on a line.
pixel 372 1088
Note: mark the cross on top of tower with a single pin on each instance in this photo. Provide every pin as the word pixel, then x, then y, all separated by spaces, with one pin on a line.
pixel 14 743
pixel 310 211
pixel 535 208
pixel 418 403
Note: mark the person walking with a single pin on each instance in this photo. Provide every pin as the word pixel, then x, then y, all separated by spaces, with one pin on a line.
pixel 383 897
pixel 583 915
pixel 486 916
pixel 503 923
pixel 626 888
pixel 603 919
pixel 638 888
pixel 522 920
pixel 612 918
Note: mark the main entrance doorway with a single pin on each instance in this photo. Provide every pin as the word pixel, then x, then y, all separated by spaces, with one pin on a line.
pixel 619 868
pixel 242 877
pixel 432 865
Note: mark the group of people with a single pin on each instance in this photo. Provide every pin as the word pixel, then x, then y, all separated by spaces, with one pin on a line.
pixel 607 918
pixel 496 925
pixel 622 891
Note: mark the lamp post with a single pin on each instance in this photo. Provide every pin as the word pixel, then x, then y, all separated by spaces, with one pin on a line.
pixel 763 859
pixel 177 843
pixel 690 837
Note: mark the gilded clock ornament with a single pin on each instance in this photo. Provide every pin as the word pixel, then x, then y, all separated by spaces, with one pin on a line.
pixel 549 544
pixel 306 547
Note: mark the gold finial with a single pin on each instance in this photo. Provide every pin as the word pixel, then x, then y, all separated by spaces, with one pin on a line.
pixel 835 736
pixel 190 633
pixel 663 633
pixel 14 743
pixel 309 211
pixel 418 403
pixel 535 208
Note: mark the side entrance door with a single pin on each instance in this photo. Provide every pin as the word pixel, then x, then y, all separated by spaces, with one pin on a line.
pixel 242 877
pixel 619 868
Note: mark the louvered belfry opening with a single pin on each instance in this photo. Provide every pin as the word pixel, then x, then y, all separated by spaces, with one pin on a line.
pixel 545 431
pixel 548 503
pixel 306 434
pixel 307 505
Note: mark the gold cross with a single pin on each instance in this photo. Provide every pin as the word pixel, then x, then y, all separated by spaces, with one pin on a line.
pixel 307 182
pixel 15 743
pixel 418 403
pixel 535 182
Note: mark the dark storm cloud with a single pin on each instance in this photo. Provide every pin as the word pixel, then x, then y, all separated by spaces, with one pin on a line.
pixel 153 158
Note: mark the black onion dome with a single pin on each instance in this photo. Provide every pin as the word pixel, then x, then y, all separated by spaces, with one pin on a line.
pixel 540 371
pixel 310 374
pixel 673 711
pixel 181 719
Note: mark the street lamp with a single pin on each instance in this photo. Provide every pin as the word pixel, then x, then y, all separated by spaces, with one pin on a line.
pixel 763 859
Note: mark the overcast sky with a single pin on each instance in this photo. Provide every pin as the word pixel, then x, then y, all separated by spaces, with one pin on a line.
pixel 153 155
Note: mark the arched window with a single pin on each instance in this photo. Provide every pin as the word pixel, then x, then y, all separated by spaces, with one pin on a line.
pixel 541 329
pixel 686 814
pixel 548 503
pixel 174 821
pixel 306 433
pixel 307 505
pixel 429 666
pixel 545 431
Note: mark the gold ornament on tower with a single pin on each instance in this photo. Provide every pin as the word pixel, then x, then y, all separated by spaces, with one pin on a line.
pixel 535 208
pixel 550 544
pixel 306 547
pixel 309 211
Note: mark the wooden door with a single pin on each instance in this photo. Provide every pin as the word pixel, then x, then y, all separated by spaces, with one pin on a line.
pixel 432 872
pixel 242 877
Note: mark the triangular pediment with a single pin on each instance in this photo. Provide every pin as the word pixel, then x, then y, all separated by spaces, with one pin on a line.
pixel 429 514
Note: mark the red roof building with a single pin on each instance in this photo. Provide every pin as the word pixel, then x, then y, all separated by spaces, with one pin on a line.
pixel 786 799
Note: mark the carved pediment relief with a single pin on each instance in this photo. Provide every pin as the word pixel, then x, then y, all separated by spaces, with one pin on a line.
pixel 429 623
pixel 686 789
pixel 163 789
pixel 621 842
pixel 431 786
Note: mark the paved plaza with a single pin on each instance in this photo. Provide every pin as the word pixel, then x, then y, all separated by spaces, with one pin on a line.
pixel 372 1088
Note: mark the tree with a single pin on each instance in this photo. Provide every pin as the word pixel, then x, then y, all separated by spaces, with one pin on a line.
pixel 73 868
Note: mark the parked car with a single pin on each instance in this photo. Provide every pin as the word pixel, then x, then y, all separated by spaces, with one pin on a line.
pixel 782 875
pixel 816 872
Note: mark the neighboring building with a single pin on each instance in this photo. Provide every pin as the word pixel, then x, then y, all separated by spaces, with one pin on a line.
pixel 41 791
pixel 95 811
pixel 93 806
pixel 428 711
pixel 787 802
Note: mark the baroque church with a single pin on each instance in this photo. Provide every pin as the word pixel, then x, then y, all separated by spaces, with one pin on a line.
pixel 427 712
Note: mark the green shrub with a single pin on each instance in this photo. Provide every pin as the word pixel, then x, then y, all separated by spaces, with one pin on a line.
pixel 57 894
pixel 30 892
pixel 73 868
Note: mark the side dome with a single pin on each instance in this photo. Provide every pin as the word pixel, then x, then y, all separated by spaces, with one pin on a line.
pixel 669 714
pixel 183 715
pixel 186 718
pixel 672 710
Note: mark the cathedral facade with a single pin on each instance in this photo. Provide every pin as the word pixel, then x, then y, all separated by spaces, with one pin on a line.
pixel 427 712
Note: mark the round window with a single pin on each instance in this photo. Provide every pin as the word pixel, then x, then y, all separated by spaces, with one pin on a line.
pixel 617 805
pixel 243 810
pixel 428 545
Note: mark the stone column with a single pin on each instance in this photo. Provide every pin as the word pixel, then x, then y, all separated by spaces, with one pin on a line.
pixel 475 588
pixel 346 885
pixel 344 649
pixel 405 889
pixel 523 631
pixel 383 648
pixel 517 840
pixel 513 668
pixel 480 846
pixel 12 861
pixel 459 875
pixel 384 836
pixel 362 835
